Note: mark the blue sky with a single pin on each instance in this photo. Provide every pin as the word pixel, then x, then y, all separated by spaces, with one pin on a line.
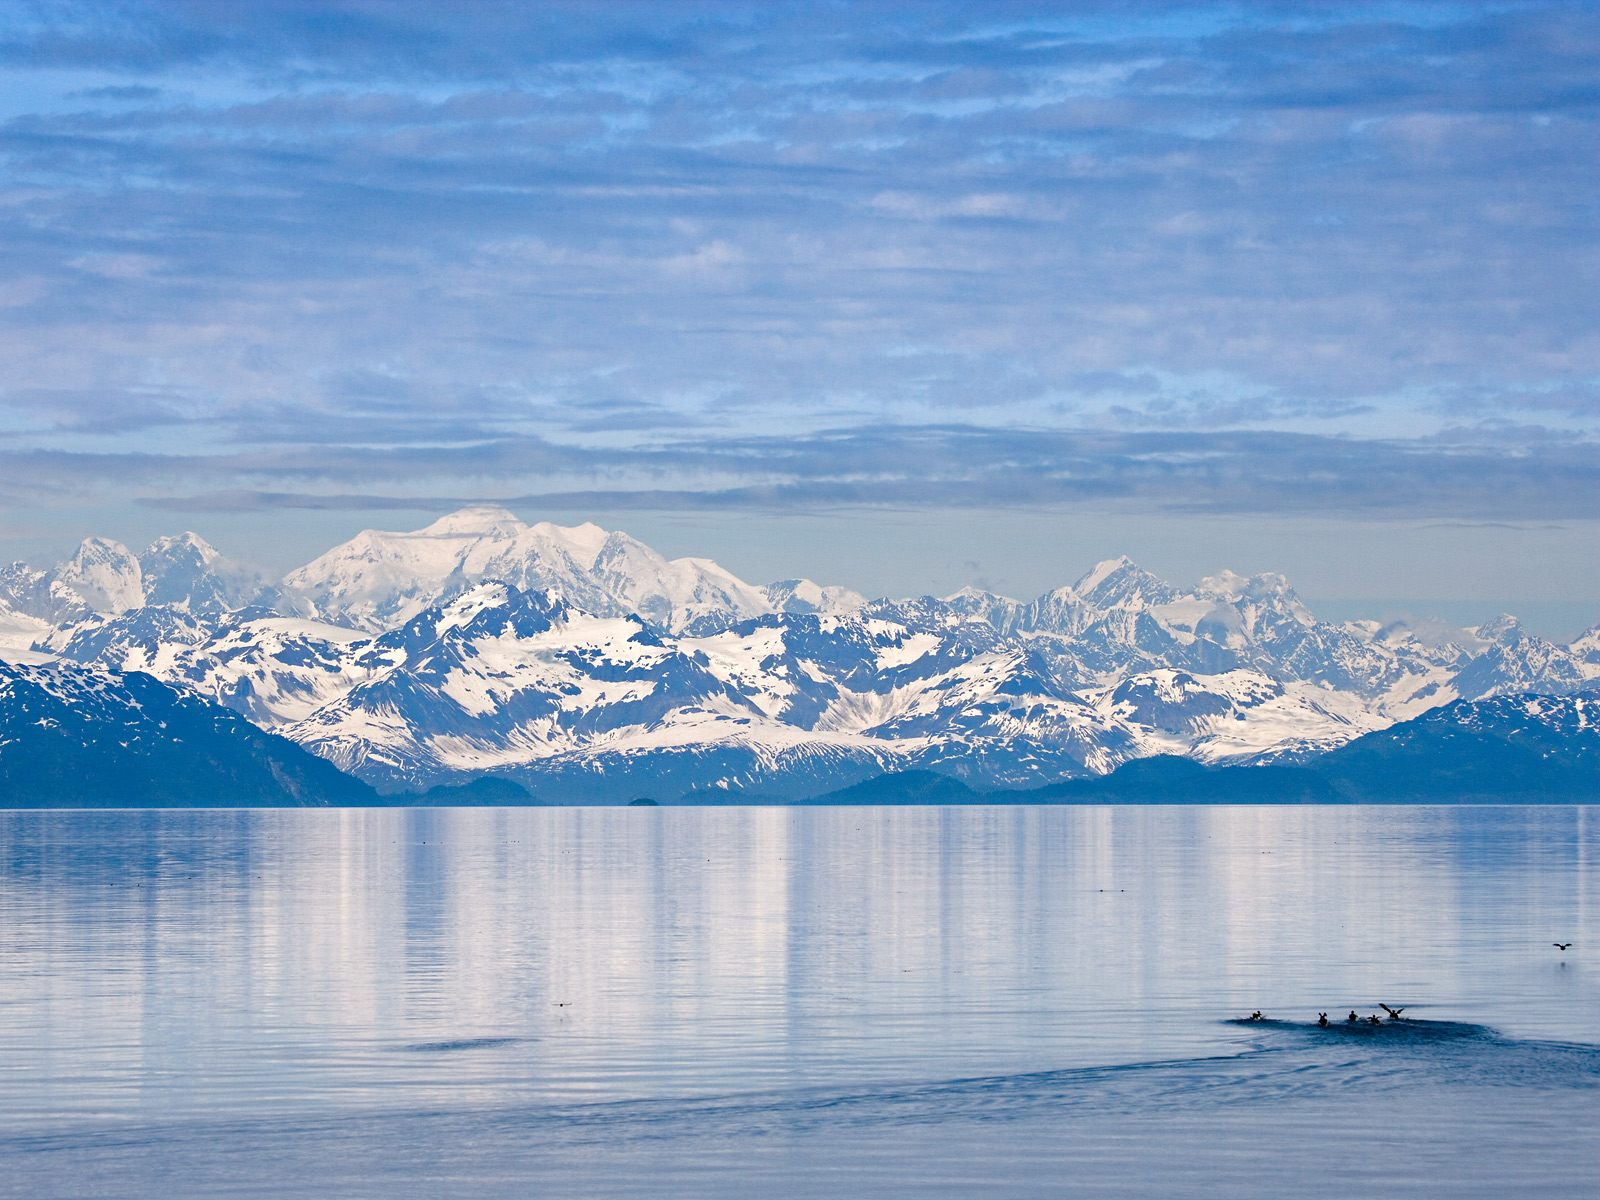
pixel 901 295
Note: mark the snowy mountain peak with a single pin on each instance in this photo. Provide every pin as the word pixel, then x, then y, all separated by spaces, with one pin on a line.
pixel 106 574
pixel 380 580
pixel 486 611
pixel 975 595
pixel 1586 648
pixel 1225 585
pixel 807 596
pixel 35 593
pixel 1100 572
pixel 1503 629
pixel 187 570
pixel 504 603
pixel 476 520
pixel 1232 586
pixel 187 543
pixel 585 543
pixel 1257 597
pixel 1117 581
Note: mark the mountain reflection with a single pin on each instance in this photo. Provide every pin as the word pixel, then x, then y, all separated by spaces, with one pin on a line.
pixel 204 961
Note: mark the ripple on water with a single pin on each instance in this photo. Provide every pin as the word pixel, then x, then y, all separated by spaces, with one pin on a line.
pixel 477 1043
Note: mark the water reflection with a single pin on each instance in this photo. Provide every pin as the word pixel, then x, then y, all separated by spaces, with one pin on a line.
pixel 201 963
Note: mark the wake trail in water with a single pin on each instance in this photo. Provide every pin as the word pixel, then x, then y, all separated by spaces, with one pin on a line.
pixel 1286 1062
pixel 477 1043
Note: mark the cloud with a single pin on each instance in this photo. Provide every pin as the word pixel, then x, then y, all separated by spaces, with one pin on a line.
pixel 714 254
pixel 928 466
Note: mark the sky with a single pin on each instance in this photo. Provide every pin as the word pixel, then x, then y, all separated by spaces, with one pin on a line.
pixel 901 296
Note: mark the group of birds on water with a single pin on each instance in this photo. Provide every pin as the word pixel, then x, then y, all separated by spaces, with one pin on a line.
pixel 1394 1013
pixel 1353 1019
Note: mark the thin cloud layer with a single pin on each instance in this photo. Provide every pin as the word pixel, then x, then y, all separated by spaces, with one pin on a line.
pixel 928 466
pixel 1260 258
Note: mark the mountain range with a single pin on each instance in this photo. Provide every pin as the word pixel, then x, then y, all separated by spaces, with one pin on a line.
pixel 582 664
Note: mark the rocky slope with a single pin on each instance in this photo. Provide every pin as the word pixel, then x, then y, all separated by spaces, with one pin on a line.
pixel 80 737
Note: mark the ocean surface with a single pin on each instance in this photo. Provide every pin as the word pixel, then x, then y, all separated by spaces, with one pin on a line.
pixel 909 1002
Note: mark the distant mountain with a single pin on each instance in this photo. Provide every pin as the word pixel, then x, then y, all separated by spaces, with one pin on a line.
pixel 379 580
pixel 1505 750
pixel 79 737
pixel 582 664
pixel 105 577
pixel 804 596
pixel 272 669
pixel 105 574
pixel 908 787
pixel 1167 779
pixel 189 572
pixel 498 678
pixel 485 790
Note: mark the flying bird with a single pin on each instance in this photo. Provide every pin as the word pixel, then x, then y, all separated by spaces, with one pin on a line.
pixel 1563 946
pixel 1394 1013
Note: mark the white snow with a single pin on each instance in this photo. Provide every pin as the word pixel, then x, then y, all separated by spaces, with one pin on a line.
pixel 1099 573
pixel 907 650
pixel 18 633
pixel 105 574
pixel 381 579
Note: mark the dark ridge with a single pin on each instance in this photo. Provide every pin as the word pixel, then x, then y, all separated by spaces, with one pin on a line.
pixel 493 791
pixel 905 787
pixel 1470 751
pixel 76 738
pixel 1168 779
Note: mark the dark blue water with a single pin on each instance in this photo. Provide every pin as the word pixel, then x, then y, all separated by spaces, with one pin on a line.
pixel 822 1002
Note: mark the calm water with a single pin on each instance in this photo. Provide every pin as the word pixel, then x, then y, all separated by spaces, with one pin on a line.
pixel 805 1002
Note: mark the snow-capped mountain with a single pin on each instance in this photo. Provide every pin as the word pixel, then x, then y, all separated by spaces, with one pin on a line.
pixel 581 661
pixel 498 677
pixel 522 683
pixel 526 684
pixel 104 576
pixel 378 580
pixel 187 570
pixel 1236 716
pixel 1508 747
pixel 1586 651
pixel 32 592
pixel 271 668
pixel 804 596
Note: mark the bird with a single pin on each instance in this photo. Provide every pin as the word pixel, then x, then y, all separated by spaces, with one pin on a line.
pixel 1322 1020
pixel 1562 946
pixel 1394 1013
pixel 1352 1018
pixel 1256 1016
pixel 1373 1020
